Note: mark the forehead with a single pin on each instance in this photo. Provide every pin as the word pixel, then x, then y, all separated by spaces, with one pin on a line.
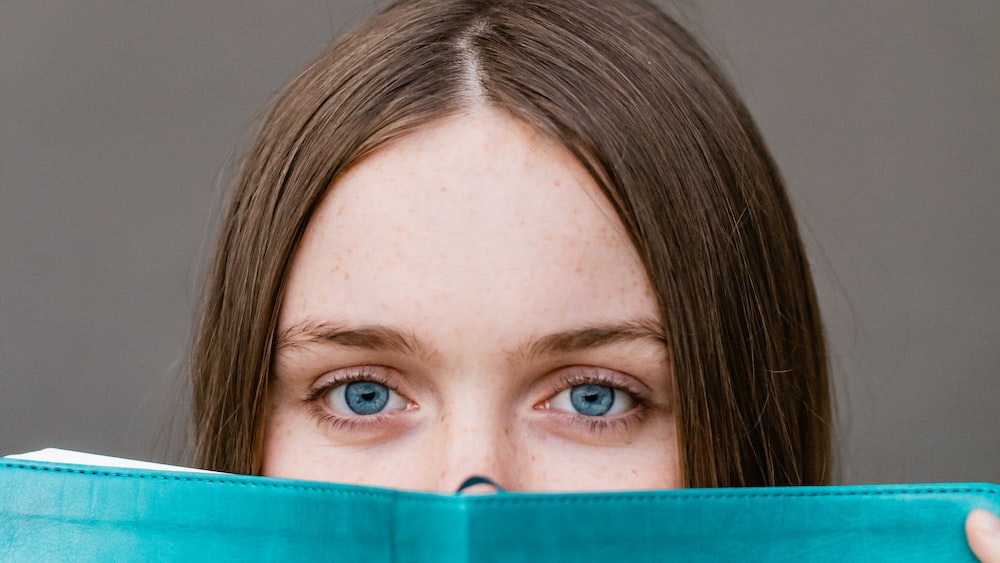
pixel 476 215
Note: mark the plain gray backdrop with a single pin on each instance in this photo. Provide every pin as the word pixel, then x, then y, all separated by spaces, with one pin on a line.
pixel 120 121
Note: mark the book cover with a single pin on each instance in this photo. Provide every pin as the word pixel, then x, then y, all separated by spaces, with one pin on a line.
pixel 63 511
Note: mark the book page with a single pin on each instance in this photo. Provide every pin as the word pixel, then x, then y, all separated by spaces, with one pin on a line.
pixel 56 455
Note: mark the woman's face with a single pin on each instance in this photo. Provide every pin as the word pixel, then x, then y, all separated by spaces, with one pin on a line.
pixel 465 302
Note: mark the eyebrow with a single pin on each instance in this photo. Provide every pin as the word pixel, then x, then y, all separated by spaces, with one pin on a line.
pixel 387 338
pixel 370 337
pixel 593 336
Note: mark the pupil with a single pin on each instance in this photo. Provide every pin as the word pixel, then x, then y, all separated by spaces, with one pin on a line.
pixel 366 397
pixel 592 400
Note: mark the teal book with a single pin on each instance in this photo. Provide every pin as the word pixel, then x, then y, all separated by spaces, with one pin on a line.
pixel 68 512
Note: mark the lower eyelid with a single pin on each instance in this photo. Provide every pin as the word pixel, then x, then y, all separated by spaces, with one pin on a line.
pixel 620 424
pixel 375 423
pixel 339 423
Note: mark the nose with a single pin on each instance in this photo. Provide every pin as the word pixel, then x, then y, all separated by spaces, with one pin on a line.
pixel 476 445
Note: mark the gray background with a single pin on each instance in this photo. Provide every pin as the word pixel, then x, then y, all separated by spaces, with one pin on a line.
pixel 119 122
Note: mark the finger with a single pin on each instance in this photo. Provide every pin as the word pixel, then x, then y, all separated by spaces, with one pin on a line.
pixel 983 531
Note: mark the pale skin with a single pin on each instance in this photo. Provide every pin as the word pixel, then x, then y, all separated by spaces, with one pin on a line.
pixel 481 300
pixel 474 269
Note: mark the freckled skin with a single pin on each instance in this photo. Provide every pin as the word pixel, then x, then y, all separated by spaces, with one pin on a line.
pixel 475 234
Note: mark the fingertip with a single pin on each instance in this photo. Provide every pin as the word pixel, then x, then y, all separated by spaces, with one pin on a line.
pixel 984 522
pixel 983 531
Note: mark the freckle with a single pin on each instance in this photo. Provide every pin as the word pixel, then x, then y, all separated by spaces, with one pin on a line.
pixel 533 458
pixel 347 276
pixel 579 270
pixel 635 472
pixel 444 189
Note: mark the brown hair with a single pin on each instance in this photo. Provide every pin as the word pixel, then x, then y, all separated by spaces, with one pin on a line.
pixel 639 103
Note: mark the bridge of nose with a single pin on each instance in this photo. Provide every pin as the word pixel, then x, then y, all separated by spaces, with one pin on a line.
pixel 477 443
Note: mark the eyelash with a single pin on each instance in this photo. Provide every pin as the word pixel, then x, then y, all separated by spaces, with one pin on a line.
pixel 602 424
pixel 314 400
pixel 596 425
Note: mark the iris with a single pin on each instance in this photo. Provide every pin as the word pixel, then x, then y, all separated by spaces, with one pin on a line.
pixel 366 397
pixel 592 400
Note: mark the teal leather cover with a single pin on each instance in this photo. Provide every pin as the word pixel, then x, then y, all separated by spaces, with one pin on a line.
pixel 57 512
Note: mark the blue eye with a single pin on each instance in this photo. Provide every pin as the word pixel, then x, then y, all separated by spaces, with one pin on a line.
pixel 366 397
pixel 592 399
pixel 363 398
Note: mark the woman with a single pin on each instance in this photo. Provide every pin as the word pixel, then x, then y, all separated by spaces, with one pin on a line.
pixel 541 241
